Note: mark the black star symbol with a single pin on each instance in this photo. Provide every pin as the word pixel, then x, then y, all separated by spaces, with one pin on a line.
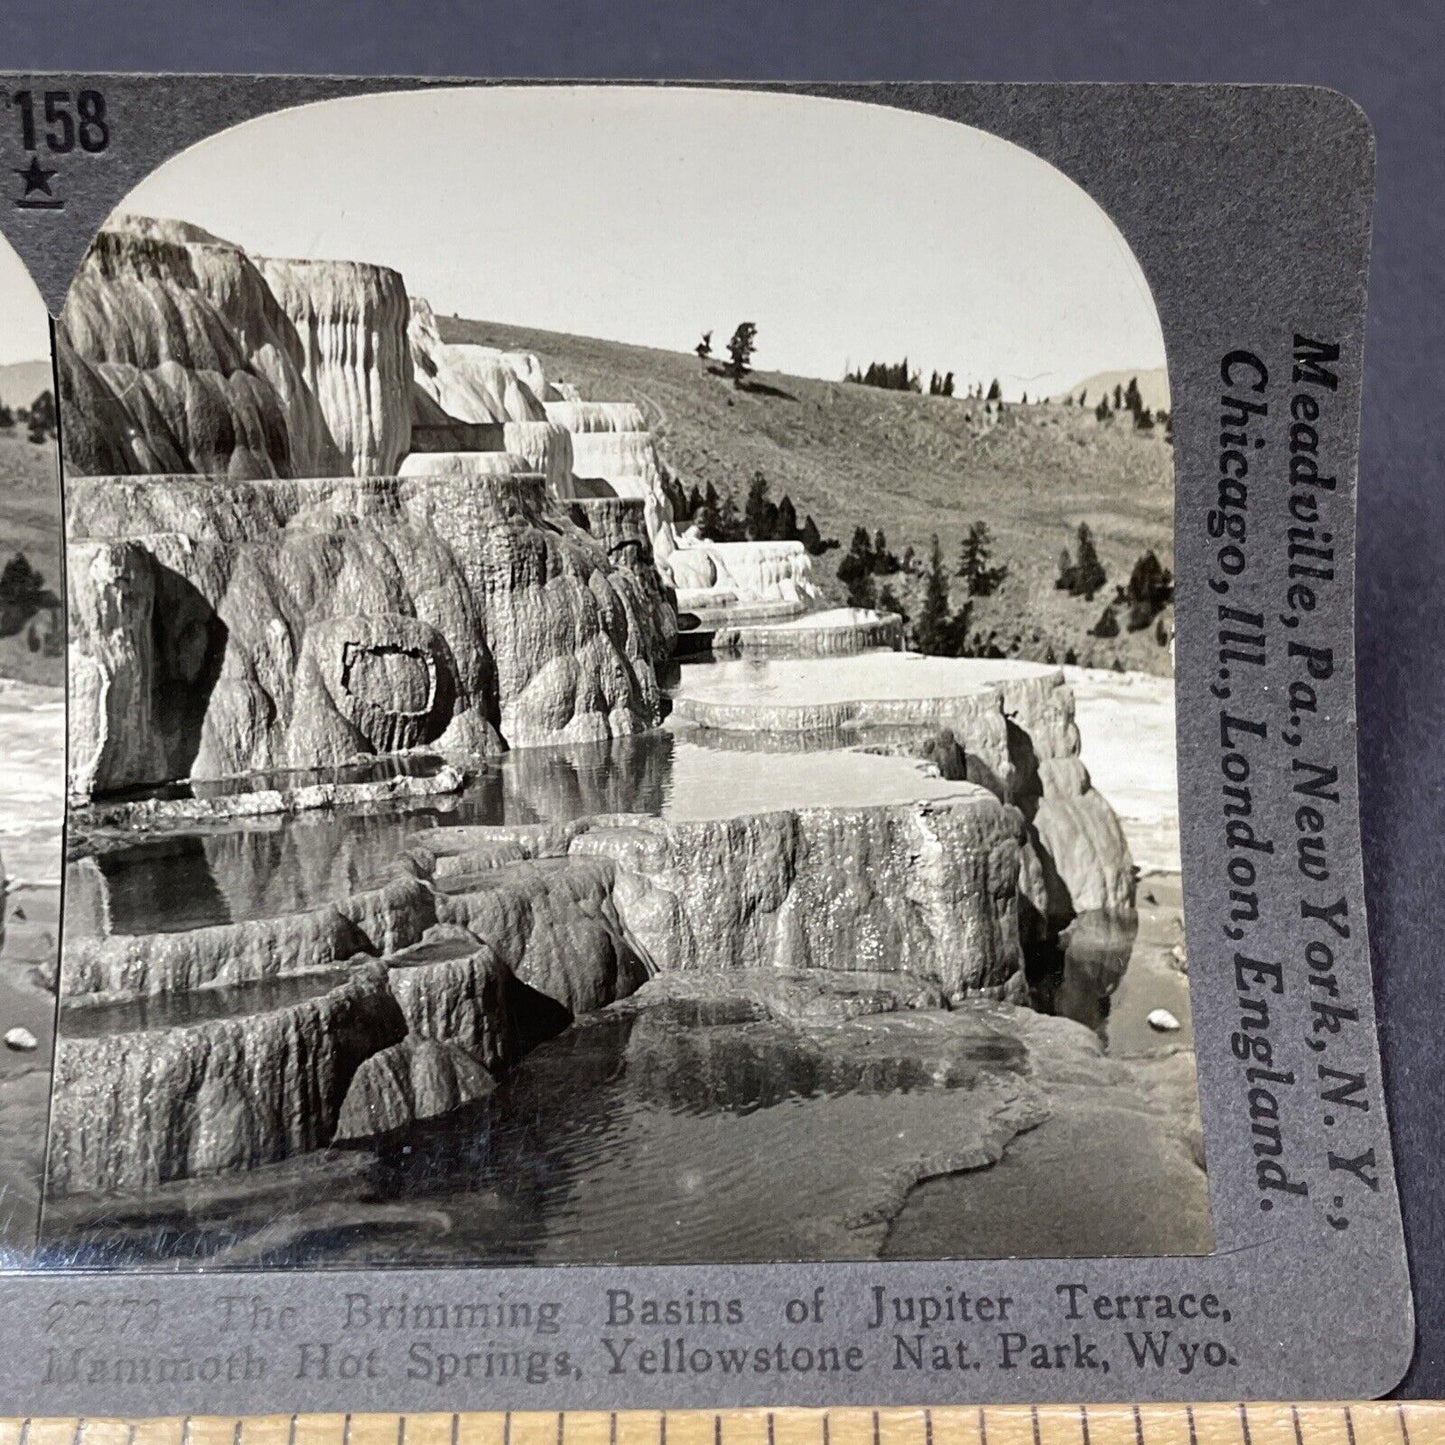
pixel 36 177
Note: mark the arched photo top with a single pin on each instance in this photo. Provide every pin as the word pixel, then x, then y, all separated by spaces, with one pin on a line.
pixel 846 232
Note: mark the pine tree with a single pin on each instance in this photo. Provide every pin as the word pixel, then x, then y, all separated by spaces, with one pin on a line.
pixel 888 602
pixel 704 347
pixel 1150 589
pixel 40 419
pixel 1118 397
pixel 979 578
pixel 1132 400
pixel 810 537
pixel 932 630
pixel 22 593
pixel 760 516
pixel 786 527
pixel 995 391
pixel 1083 395
pixel 856 568
pixel 1107 625
pixel 1101 412
pixel 740 351
pixel 947 388
pixel 1089 572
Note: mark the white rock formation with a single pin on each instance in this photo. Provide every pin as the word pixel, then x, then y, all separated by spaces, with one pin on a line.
pixel 224 630
pixel 474 383
pixel 714 575
pixel 482 399
pixel 597 416
pixel 351 319
pixel 1015 722
pixel 179 353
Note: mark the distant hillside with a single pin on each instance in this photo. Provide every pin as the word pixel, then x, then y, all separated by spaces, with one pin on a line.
pixel 1153 387
pixel 912 465
pixel 22 381
pixel 30 523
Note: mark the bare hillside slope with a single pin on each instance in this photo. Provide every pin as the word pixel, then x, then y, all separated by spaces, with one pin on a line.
pixel 912 465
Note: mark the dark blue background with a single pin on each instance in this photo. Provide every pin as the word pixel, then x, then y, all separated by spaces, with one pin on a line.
pixel 1387 55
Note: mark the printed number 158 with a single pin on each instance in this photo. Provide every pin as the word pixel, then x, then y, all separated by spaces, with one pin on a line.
pixel 69 120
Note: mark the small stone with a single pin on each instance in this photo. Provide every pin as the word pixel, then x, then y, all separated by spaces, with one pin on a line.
pixel 1164 1021
pixel 21 1040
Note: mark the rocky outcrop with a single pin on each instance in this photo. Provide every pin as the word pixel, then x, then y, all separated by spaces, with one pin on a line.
pixel 219 1082
pixel 415 1079
pixel 179 353
pixel 303 624
pixel 928 890
pixel 554 922
pixel 453 989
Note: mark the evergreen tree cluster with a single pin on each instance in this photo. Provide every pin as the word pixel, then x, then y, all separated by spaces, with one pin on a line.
pixel 1129 399
pixel 741 345
pixel 1081 576
pixel 868 558
pixel 1149 592
pixel 23 593
pixel 887 376
pixel 940 631
pixel 897 376
pixel 38 418
pixel 716 516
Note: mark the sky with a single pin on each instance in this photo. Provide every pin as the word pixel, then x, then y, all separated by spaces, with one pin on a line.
pixel 24 326
pixel 847 232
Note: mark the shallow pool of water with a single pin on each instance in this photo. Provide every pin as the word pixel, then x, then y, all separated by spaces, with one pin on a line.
pixel 197 1006
pixel 263 867
pixel 688 1132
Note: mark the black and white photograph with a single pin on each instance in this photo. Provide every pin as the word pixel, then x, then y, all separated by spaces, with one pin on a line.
pixel 32 726
pixel 621 701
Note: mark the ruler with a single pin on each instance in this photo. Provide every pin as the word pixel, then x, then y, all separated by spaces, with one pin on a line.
pixel 1420 1422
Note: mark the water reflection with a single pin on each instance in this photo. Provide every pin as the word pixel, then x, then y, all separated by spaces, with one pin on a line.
pixel 681 1109
pixel 252 868
pixel 1077 975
